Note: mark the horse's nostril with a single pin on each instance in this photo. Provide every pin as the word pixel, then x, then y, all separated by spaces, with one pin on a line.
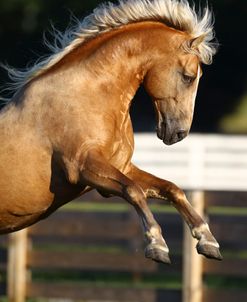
pixel 181 134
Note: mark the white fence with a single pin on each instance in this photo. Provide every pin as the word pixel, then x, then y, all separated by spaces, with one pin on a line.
pixel 199 162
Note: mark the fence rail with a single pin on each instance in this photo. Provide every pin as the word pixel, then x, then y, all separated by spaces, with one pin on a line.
pixel 200 162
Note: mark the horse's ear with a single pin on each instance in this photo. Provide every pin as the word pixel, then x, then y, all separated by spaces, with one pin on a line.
pixel 195 42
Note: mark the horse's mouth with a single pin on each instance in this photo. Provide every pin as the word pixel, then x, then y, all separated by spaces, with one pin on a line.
pixel 170 135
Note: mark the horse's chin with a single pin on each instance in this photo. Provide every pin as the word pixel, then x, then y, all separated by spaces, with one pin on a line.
pixel 170 141
pixel 170 137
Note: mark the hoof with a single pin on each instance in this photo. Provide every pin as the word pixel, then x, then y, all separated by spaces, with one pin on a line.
pixel 209 250
pixel 157 253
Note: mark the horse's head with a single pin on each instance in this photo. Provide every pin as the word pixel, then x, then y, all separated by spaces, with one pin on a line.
pixel 172 83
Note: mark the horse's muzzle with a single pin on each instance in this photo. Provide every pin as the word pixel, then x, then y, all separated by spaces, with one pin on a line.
pixel 170 134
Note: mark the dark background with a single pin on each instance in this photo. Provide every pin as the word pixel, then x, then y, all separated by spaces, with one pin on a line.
pixel 223 86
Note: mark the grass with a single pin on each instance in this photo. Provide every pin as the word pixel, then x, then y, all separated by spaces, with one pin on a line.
pixel 228 211
pixel 111 207
pixel 156 208
pixel 223 282
pixel 241 255
pixel 61 247
pixel 110 279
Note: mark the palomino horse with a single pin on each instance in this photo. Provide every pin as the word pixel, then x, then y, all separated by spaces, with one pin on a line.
pixel 67 128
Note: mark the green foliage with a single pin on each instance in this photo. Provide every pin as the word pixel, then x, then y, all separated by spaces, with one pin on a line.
pixel 236 122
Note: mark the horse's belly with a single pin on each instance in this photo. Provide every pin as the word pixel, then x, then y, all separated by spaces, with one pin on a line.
pixel 25 175
pixel 23 198
pixel 31 190
pixel 25 206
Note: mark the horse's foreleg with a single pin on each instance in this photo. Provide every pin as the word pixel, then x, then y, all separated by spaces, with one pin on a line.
pixel 155 187
pixel 99 174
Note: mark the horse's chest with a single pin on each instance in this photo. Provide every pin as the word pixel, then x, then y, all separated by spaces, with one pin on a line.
pixel 122 151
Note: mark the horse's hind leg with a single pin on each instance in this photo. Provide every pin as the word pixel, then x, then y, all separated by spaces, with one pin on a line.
pixel 155 187
pixel 99 174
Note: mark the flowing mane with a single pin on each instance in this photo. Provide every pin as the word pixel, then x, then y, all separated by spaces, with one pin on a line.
pixel 174 13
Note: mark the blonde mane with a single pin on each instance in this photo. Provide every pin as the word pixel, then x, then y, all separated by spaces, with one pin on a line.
pixel 174 13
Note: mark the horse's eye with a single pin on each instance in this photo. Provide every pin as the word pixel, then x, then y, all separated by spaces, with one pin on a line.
pixel 188 79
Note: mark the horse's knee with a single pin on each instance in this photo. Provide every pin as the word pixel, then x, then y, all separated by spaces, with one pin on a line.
pixel 175 194
pixel 134 194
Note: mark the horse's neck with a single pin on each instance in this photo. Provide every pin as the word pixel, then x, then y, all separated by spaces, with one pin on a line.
pixel 102 74
pixel 116 68
pixel 111 66
pixel 121 59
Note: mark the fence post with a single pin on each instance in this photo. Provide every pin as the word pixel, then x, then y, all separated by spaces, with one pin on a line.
pixel 192 262
pixel 16 270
